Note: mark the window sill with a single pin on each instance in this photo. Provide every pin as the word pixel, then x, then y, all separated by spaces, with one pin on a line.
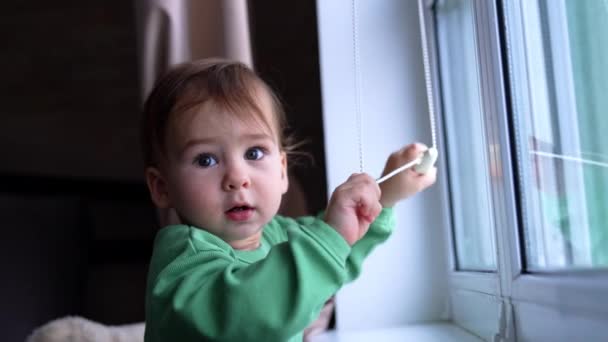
pixel 431 332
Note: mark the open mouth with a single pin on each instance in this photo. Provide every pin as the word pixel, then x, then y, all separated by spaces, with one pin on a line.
pixel 240 213
pixel 239 208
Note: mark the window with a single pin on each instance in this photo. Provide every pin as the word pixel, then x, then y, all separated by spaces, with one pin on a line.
pixel 463 115
pixel 524 106
pixel 559 112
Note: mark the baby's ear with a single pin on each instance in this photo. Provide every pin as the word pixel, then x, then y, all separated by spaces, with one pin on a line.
pixel 157 187
pixel 284 175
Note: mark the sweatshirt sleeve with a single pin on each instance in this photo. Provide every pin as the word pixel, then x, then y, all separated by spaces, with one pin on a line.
pixel 206 295
pixel 379 231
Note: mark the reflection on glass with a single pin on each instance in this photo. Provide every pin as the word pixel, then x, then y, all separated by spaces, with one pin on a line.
pixel 465 143
pixel 563 125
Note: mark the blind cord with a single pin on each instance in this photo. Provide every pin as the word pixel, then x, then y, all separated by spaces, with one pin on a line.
pixel 358 85
pixel 427 160
pixel 427 72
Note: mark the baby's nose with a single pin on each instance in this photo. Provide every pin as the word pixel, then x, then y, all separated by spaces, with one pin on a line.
pixel 235 178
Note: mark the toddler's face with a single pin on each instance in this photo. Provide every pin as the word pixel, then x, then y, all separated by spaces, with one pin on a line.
pixel 224 174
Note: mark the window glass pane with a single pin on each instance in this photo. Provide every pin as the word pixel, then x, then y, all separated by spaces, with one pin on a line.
pixel 559 68
pixel 465 143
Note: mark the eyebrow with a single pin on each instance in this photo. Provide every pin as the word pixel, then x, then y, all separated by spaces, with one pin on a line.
pixel 211 140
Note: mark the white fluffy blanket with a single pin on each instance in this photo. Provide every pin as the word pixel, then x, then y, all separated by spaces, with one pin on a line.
pixel 68 329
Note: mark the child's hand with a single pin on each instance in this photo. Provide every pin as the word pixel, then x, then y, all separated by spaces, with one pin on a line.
pixel 353 206
pixel 408 182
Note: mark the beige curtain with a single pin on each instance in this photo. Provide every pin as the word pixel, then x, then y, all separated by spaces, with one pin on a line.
pixel 175 31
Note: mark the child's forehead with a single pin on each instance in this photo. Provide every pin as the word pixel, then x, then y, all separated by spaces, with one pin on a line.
pixel 216 115
pixel 244 102
pixel 211 117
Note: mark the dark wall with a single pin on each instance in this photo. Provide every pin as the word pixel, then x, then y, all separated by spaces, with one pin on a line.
pixel 285 50
pixel 69 89
pixel 76 220
pixel 72 247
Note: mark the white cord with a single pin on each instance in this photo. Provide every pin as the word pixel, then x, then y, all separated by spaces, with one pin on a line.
pixel 428 159
pixel 401 168
pixel 429 93
pixel 427 71
pixel 358 84
pixel 577 159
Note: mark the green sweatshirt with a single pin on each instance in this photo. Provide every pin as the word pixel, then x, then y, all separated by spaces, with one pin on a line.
pixel 201 289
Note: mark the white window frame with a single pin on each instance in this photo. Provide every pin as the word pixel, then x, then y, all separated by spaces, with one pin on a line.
pixel 475 299
pixel 513 304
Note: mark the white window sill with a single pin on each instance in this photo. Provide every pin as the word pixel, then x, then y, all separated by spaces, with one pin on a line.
pixel 432 332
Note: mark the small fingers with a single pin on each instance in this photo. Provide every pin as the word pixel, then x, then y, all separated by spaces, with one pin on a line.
pixel 369 201
pixel 404 155
pixel 369 208
pixel 362 191
pixel 363 180
pixel 430 177
pixel 424 180
pixel 414 150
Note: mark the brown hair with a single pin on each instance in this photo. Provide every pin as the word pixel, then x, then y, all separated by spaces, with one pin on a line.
pixel 230 85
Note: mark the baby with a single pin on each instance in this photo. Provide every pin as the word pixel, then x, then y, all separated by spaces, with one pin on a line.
pixel 215 154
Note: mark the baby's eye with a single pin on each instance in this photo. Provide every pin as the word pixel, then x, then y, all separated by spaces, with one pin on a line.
pixel 205 160
pixel 254 153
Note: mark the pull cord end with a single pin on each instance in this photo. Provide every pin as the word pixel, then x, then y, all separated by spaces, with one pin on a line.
pixel 428 160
